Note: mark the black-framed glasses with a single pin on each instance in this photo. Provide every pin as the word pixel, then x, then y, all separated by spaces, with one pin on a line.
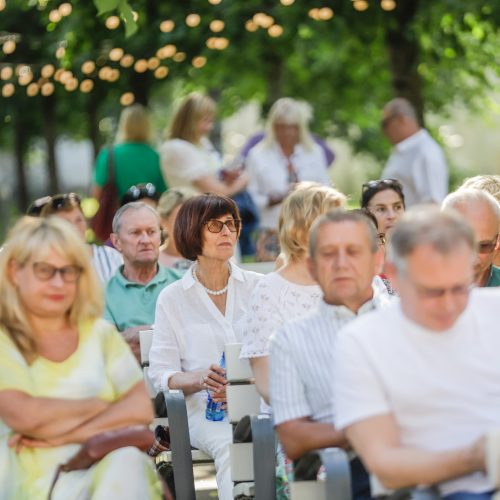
pixel 57 202
pixel 487 246
pixel 45 271
pixel 216 225
pixel 387 183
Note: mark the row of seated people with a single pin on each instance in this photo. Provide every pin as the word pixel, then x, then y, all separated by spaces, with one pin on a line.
pixel 52 333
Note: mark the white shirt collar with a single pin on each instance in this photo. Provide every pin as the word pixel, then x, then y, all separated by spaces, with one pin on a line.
pixel 411 141
pixel 380 299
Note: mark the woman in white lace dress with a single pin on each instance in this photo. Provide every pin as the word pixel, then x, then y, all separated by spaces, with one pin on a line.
pixel 290 292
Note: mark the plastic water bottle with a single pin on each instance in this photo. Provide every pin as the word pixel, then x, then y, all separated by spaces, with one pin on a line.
pixel 214 410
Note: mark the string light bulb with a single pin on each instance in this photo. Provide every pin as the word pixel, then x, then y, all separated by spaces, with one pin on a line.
pixel 9 46
pixel 8 90
pixel 167 26
pixel 127 99
pixel 193 20
pixel 275 30
pixel 32 90
pixel 325 14
pixel 287 3
pixel 199 61
pixel 6 73
pixel 388 5
pixel 47 71
pixel 88 67
pixel 55 16
pixel 116 54
pixel 141 65
pixel 251 25
pixel 65 9
pixel 47 89
pixel 161 72
pixel 86 86
pixel 126 61
pixel 112 22
pixel 360 5
pixel 216 25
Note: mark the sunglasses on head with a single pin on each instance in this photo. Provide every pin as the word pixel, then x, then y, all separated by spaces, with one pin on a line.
pixel 389 183
pixel 57 202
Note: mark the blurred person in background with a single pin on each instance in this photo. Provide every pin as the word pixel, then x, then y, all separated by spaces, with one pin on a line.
pixel 417 160
pixel 385 200
pixel 189 159
pixel 105 259
pixel 491 184
pixel 134 160
pixel 288 154
pixel 168 207
pixel 65 374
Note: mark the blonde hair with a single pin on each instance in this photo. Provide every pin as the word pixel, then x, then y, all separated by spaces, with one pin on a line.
pixel 291 112
pixel 134 125
pixel 35 237
pixel 300 209
pixel 489 183
pixel 185 122
pixel 173 198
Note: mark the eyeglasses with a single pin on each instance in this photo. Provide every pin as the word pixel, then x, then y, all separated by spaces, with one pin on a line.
pixel 57 202
pixel 389 183
pixel 487 246
pixel 436 293
pixel 45 271
pixel 382 239
pixel 215 225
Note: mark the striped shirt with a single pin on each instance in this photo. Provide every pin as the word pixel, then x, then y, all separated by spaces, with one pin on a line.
pixel 301 360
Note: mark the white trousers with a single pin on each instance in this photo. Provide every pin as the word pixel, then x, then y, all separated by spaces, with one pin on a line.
pixel 213 438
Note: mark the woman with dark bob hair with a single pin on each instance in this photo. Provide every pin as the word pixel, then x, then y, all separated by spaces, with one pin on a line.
pixel 195 318
pixel 385 200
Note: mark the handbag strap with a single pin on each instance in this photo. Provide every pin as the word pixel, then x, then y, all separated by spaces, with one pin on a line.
pixel 111 164
pixel 54 481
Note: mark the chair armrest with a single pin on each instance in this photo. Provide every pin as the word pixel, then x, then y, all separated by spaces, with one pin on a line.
pixel 338 473
pixel 180 444
pixel 264 456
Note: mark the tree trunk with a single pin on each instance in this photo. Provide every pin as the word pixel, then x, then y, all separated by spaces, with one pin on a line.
pixel 20 148
pixel 50 133
pixel 403 47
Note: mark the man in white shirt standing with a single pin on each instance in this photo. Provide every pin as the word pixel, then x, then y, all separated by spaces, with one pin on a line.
pixel 344 259
pixel 416 395
pixel 417 160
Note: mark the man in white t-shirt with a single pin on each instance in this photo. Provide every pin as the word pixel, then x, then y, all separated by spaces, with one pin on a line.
pixel 417 160
pixel 345 259
pixel 416 395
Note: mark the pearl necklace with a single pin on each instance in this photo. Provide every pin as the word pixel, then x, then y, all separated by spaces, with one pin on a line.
pixel 208 290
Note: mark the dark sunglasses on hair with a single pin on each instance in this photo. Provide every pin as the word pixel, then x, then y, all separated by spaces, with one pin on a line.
pixel 389 183
pixel 139 191
pixel 58 201
pixel 215 225
pixel 45 271
pixel 487 246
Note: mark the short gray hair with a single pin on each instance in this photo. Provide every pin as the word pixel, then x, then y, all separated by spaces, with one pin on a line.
pixel 470 196
pixel 336 216
pixel 428 225
pixel 133 205
pixel 401 107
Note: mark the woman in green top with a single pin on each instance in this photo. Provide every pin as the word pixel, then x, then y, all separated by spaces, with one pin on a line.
pixel 65 374
pixel 134 161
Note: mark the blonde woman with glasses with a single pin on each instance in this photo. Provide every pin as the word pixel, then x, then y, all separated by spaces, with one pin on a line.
pixel 65 374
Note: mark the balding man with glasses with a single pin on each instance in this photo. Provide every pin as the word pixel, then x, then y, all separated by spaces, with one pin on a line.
pixel 482 212
pixel 417 385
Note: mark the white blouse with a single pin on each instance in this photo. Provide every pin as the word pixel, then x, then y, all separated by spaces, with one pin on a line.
pixel 189 331
pixel 274 301
pixel 183 162
pixel 267 168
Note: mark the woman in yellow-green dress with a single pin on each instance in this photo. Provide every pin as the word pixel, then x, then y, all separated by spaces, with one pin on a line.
pixel 65 374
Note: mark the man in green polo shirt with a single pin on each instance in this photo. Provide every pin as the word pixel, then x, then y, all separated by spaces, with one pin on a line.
pixel 132 292
pixel 482 212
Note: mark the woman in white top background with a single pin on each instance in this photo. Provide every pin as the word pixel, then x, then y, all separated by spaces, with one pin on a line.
pixel 287 154
pixel 188 158
pixel 195 318
pixel 290 292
